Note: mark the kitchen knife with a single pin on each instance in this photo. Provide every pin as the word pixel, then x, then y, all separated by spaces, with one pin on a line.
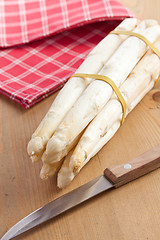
pixel 113 177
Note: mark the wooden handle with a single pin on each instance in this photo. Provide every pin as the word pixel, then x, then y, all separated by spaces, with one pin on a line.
pixel 136 168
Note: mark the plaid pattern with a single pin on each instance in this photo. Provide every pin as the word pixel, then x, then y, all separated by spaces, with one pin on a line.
pixel 30 72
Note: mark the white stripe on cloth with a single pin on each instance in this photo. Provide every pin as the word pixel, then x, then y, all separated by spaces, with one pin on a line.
pixel 3 25
pixel 64 13
pixel 86 10
pixel 23 21
pixel 108 6
pixel 44 18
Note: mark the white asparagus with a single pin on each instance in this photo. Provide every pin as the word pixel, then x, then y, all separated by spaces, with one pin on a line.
pixel 107 122
pixel 50 166
pixel 49 170
pixel 98 93
pixel 74 87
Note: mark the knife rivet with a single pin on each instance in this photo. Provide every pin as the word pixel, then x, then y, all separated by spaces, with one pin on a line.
pixel 127 166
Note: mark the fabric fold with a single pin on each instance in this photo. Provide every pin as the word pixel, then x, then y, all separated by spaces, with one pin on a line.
pixel 44 42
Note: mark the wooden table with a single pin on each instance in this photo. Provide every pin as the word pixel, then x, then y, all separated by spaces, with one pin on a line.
pixel 131 212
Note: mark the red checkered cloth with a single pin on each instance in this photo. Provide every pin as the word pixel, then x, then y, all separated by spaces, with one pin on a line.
pixel 65 30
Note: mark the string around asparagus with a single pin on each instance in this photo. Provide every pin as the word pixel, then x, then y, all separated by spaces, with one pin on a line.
pixel 111 83
pixel 141 37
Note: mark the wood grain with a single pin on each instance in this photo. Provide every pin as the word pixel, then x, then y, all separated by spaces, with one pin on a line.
pixel 135 168
pixel 127 213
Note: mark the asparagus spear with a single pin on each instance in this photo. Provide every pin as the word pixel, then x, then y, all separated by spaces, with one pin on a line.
pixel 49 170
pixel 74 87
pixel 98 93
pixel 107 122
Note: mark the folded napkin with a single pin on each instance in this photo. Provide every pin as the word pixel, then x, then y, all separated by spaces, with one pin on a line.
pixel 43 42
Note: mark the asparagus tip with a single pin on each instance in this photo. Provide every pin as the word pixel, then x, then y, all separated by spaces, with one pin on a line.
pixel 44 176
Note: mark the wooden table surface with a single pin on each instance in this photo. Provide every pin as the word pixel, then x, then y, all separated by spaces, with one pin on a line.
pixel 131 212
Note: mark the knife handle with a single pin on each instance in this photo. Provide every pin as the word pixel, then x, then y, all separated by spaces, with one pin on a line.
pixel 137 167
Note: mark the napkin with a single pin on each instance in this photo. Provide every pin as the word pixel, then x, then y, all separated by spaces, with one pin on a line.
pixel 43 42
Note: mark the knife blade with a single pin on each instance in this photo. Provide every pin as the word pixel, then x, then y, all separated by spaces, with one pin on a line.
pixel 113 177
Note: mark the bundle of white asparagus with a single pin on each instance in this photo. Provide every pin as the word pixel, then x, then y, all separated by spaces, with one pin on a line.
pixel 87 113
